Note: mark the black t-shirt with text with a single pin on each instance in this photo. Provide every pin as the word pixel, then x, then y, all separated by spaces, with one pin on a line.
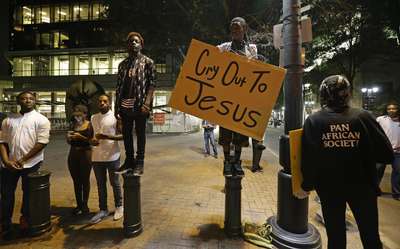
pixel 341 148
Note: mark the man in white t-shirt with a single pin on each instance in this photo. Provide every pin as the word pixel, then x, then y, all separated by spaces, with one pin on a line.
pixel 391 125
pixel 106 157
pixel 23 138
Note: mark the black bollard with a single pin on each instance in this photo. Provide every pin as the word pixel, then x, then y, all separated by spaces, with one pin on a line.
pixel 233 200
pixel 39 202
pixel 132 205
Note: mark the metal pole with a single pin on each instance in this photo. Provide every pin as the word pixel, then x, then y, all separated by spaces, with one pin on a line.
pixel 39 202
pixel 132 205
pixel 290 228
pixel 233 199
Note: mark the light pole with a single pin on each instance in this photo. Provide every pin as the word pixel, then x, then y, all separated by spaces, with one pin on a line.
pixel 290 228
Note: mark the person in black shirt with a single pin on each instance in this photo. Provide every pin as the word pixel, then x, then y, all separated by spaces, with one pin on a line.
pixel 340 147
pixel 134 97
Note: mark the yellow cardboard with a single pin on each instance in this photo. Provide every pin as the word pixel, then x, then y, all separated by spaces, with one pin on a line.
pixel 295 159
pixel 227 89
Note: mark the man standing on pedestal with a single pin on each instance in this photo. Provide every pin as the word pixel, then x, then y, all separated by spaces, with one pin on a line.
pixel 24 136
pixel 134 97
pixel 239 45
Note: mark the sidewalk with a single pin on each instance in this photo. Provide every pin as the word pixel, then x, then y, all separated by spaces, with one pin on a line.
pixel 182 201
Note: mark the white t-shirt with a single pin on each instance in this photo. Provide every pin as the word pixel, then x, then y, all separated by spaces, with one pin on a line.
pixel 107 150
pixel 22 132
pixel 392 130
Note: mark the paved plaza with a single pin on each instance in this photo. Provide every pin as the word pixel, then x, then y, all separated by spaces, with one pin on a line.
pixel 182 201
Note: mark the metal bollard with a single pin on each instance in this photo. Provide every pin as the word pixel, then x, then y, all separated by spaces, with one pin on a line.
pixel 132 205
pixel 233 215
pixel 39 202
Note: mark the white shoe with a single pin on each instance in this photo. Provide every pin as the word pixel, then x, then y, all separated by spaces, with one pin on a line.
pixel 119 213
pixel 99 216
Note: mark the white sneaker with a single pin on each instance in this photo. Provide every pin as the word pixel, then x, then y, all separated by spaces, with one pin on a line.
pixel 119 213
pixel 99 216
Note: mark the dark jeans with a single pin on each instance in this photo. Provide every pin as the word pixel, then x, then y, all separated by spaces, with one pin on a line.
pixel 362 200
pixel 80 165
pixel 9 181
pixel 100 171
pixel 395 178
pixel 209 138
pixel 137 120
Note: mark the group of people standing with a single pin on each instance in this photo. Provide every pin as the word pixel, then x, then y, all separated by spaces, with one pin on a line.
pixel 93 141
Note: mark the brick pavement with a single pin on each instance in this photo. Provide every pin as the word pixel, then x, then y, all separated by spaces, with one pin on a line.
pixel 182 201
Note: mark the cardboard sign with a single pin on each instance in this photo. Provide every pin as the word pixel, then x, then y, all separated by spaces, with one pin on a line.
pixel 295 159
pixel 227 89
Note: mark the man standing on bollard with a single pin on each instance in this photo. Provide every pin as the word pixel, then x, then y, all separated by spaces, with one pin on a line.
pixel 25 134
pixel 105 157
pixel 209 138
pixel 134 97
pixel 239 45
pixel 390 123
pixel 340 147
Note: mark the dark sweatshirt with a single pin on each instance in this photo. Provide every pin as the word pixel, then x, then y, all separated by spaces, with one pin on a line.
pixel 342 148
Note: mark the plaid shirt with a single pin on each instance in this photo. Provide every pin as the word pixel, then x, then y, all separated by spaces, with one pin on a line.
pixel 135 77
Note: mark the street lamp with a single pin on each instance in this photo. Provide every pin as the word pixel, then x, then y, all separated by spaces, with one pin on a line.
pixel 369 96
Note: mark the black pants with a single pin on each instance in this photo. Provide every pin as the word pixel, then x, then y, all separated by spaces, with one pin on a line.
pixel 362 200
pixel 137 120
pixel 80 165
pixel 9 183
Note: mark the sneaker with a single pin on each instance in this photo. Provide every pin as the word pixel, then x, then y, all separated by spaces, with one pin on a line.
pixel 119 213
pixel 126 167
pixel 77 211
pixel 99 216
pixel 138 170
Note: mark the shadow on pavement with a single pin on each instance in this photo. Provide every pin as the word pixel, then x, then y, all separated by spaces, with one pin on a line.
pixel 210 232
pixel 80 233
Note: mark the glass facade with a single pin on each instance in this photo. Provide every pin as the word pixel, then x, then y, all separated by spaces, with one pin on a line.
pixel 59 65
pixel 37 14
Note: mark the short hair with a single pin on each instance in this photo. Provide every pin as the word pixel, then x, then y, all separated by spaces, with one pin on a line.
pixel 105 94
pixel 392 102
pixel 25 92
pixel 131 34
pixel 80 108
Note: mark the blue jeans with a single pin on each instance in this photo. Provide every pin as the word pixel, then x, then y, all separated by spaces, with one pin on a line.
pixel 100 171
pixel 209 138
pixel 395 179
pixel 9 183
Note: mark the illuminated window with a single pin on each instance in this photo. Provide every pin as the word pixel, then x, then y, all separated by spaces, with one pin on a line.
pixel 62 13
pixel 95 11
pixel 100 64
pixel 80 12
pixel 84 11
pixel 22 66
pixel 117 58
pixel 27 15
pixel 41 65
pixel 83 65
pixel 60 65
pixel 45 15
pixel 161 68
